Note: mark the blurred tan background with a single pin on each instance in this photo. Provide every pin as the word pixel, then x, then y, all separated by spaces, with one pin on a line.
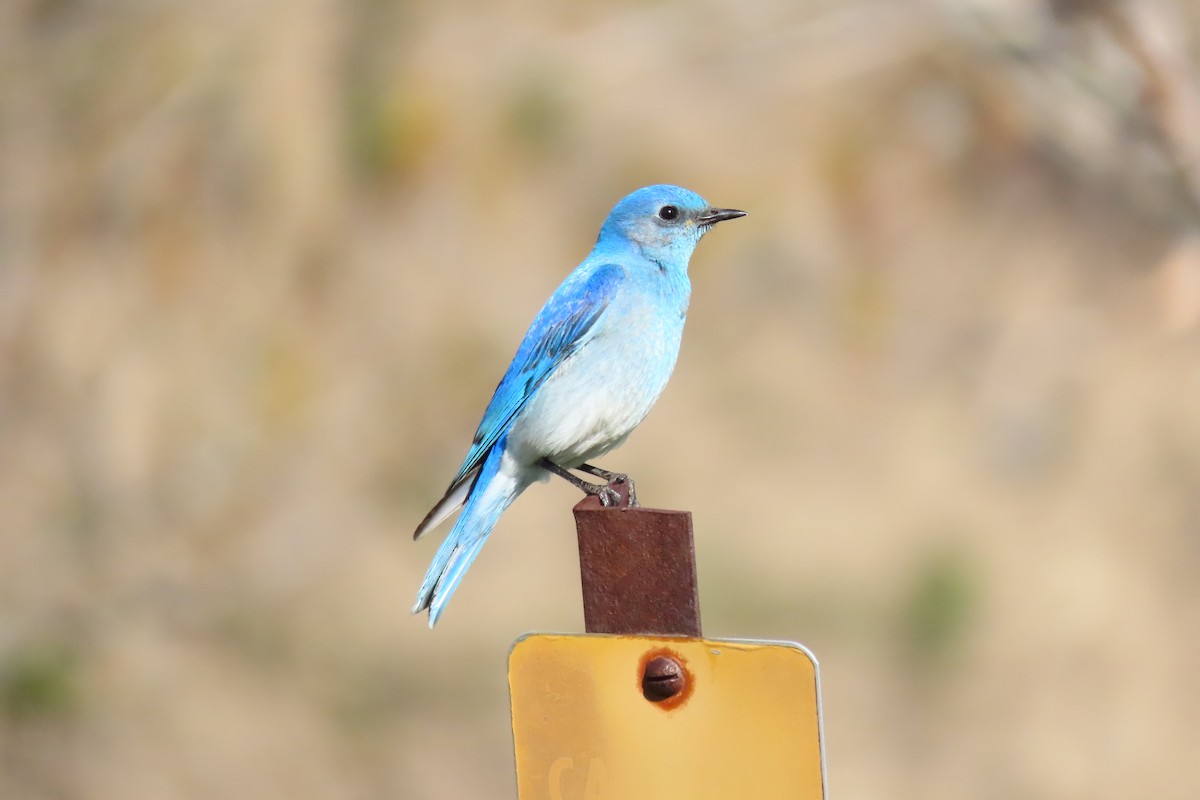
pixel 937 413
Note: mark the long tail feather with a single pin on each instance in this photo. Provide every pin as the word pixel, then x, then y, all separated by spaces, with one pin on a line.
pixel 455 496
pixel 493 492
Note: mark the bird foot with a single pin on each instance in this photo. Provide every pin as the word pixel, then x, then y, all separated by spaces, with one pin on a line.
pixel 619 478
pixel 609 497
pixel 607 492
pixel 613 479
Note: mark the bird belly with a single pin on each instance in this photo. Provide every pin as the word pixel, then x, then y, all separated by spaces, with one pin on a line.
pixel 595 399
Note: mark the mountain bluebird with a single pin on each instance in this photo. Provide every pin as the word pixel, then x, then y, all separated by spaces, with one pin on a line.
pixel 593 362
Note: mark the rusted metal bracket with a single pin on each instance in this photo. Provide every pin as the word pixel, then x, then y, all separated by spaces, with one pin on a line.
pixel 638 569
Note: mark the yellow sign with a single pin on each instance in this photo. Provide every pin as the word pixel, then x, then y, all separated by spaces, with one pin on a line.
pixel 648 718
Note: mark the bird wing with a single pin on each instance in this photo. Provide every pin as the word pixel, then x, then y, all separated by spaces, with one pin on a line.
pixel 564 324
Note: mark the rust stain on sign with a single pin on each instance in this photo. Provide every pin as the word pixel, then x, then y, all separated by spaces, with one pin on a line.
pixel 664 678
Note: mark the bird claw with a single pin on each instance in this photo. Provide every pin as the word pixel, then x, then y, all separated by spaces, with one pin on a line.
pixel 609 498
pixel 619 479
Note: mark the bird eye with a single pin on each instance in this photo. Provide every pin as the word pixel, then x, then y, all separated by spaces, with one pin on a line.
pixel 668 213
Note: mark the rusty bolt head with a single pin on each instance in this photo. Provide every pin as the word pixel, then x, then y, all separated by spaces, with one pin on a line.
pixel 663 679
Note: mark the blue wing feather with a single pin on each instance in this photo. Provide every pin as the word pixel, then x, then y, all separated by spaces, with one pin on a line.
pixel 564 324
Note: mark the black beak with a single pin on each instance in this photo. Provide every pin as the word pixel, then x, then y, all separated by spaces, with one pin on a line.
pixel 715 215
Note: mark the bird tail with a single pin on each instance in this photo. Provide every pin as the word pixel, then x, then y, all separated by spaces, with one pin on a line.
pixel 493 492
pixel 455 496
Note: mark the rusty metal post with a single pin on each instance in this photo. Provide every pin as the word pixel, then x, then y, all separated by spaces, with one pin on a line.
pixel 638 570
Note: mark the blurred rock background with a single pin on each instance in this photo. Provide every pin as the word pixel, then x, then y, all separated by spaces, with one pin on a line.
pixel 937 413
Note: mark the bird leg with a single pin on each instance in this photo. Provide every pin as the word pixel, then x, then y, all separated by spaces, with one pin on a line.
pixel 608 496
pixel 612 477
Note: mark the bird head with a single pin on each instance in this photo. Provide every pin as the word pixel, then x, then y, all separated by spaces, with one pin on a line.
pixel 665 222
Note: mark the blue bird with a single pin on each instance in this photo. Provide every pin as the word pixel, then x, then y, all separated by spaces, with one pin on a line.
pixel 592 364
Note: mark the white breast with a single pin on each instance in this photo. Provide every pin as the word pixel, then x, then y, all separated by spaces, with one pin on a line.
pixel 598 396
